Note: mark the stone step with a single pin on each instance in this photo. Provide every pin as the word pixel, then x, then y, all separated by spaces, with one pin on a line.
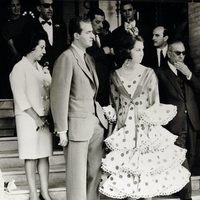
pixel 195 196
pixel 10 159
pixel 56 175
pixel 59 193
pixel 8 143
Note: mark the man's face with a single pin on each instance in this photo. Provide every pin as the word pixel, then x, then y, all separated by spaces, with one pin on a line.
pixel 176 52
pixel 15 7
pixel 86 36
pixel 159 40
pixel 97 24
pixel 128 13
pixel 46 9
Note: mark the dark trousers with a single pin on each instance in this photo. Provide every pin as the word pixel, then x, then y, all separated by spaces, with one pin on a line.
pixel 187 140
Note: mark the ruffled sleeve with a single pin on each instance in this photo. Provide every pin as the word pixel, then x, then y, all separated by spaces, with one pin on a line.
pixel 159 114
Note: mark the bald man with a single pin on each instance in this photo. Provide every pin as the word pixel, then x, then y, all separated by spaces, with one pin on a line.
pixel 156 56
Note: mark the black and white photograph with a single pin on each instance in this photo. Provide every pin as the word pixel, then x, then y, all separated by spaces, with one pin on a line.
pixel 99 100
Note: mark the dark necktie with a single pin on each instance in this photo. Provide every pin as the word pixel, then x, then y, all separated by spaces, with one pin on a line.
pixel 46 22
pixel 162 59
pixel 181 77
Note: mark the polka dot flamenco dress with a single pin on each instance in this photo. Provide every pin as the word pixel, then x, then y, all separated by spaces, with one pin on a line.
pixel 143 161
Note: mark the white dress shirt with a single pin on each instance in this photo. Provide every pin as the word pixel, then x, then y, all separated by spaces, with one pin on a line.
pixel 49 29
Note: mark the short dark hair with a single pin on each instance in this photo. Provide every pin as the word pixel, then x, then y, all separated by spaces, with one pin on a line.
pixel 31 39
pixel 124 46
pixel 95 11
pixel 125 2
pixel 106 25
pixel 74 25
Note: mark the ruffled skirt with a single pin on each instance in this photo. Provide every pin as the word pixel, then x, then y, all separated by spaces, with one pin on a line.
pixel 143 165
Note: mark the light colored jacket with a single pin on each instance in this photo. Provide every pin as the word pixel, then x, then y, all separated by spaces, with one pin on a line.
pixel 73 96
pixel 30 87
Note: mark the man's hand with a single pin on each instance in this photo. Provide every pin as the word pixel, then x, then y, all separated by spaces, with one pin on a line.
pixel 183 69
pixel 63 139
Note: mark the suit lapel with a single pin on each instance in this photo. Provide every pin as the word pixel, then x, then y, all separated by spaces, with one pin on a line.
pixel 82 64
pixel 93 71
pixel 173 80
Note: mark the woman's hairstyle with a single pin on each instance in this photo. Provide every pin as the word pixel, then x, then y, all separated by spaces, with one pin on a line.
pixel 31 39
pixel 123 48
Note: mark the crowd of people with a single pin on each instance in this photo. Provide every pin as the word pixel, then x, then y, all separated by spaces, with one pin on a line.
pixel 125 115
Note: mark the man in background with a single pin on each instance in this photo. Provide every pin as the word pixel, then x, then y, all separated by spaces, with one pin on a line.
pixel 101 54
pixel 155 56
pixel 57 35
pixel 178 85
pixel 129 25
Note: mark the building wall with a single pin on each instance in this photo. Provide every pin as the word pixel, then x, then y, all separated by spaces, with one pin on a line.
pixel 110 9
pixel 194 32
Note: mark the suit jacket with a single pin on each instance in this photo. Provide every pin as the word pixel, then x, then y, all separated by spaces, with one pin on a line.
pixel 103 65
pixel 171 93
pixel 30 88
pixel 120 31
pixel 150 58
pixel 59 43
pixel 73 96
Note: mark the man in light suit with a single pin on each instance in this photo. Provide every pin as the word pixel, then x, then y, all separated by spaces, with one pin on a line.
pixel 178 85
pixel 78 118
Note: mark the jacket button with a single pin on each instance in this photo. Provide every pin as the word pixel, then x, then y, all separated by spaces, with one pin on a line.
pixel 185 111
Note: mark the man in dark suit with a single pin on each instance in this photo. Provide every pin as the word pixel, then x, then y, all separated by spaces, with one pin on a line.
pixel 128 12
pixel 79 119
pixel 57 35
pixel 56 44
pixel 101 54
pixel 155 56
pixel 177 86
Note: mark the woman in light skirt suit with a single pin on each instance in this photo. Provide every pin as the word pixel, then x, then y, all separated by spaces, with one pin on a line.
pixel 30 83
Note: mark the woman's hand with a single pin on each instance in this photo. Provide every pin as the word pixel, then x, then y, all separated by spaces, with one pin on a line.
pixel 41 123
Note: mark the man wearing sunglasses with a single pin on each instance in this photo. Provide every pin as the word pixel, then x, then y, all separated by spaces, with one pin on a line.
pixel 178 85
pixel 57 35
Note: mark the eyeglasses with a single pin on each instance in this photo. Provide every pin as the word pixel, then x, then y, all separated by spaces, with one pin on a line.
pixel 178 53
pixel 47 5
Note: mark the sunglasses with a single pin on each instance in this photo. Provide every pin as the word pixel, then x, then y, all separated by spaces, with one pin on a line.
pixel 47 5
pixel 178 53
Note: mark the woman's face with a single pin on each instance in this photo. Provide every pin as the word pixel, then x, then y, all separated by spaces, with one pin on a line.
pixel 39 50
pixel 137 52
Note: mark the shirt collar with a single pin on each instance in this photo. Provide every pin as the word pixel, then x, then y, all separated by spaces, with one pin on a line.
pixel 174 70
pixel 133 23
pixel 164 50
pixel 79 51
